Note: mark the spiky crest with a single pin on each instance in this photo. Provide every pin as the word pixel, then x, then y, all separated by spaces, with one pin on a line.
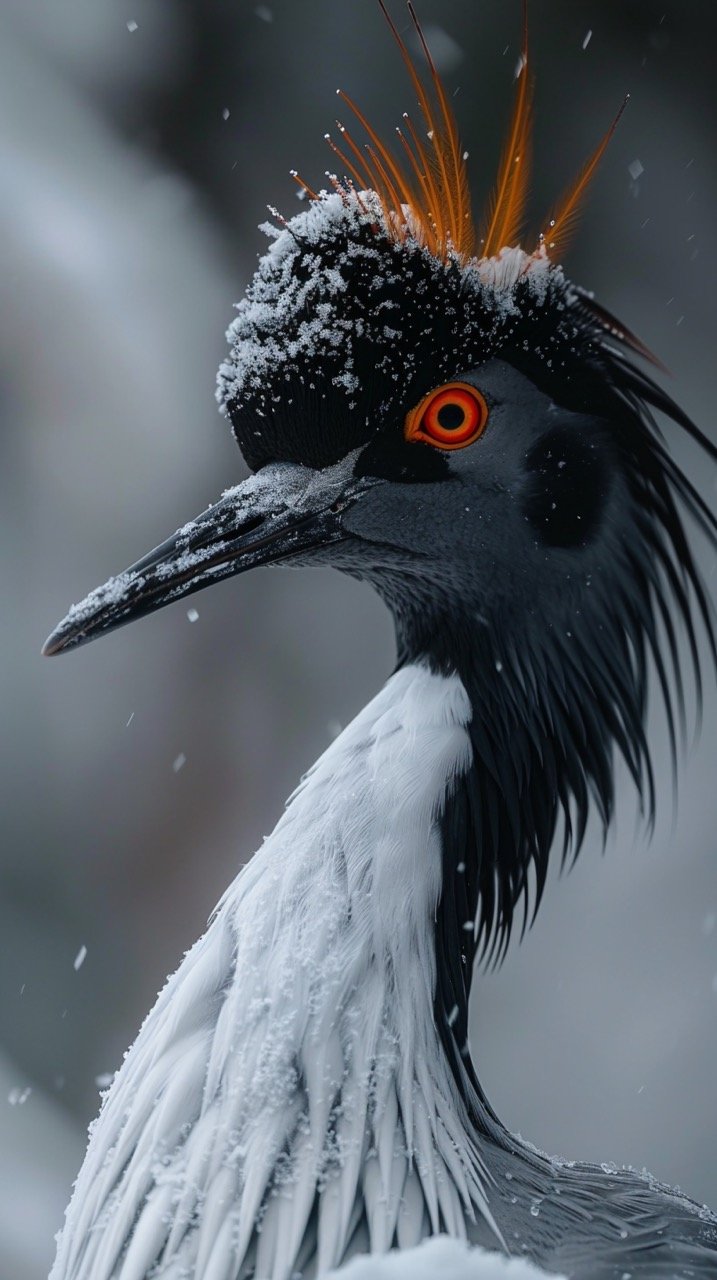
pixel 424 193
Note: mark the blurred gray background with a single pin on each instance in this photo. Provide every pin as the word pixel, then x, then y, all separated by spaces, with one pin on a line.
pixel 139 145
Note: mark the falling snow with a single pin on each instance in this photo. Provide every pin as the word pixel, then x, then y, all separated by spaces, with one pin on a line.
pixel 132 25
pixel 588 38
pixel 80 958
pixel 635 170
pixel 18 1097
pixel 179 762
pixel 447 52
pixel 192 614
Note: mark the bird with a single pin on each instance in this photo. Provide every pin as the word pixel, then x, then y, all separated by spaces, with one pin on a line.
pixel 426 403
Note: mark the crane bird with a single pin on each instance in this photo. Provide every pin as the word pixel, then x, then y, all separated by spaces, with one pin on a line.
pixel 432 408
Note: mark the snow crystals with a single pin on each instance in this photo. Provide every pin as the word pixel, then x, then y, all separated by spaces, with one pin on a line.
pixel 299 310
pixel 440 1256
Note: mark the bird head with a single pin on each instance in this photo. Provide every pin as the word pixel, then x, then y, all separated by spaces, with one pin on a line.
pixel 431 407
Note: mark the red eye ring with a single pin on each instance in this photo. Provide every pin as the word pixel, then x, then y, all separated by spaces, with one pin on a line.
pixel 450 417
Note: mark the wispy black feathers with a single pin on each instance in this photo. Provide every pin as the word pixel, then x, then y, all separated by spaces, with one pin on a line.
pixel 545 734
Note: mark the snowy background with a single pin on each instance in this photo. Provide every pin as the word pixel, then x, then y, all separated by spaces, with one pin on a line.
pixel 139 145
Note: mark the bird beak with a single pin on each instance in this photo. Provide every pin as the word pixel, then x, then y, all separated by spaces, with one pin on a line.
pixel 279 514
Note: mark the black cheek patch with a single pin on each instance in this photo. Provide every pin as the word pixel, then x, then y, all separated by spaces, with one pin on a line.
pixel 567 488
pixel 392 458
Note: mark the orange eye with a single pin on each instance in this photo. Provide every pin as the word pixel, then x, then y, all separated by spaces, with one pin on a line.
pixel 450 417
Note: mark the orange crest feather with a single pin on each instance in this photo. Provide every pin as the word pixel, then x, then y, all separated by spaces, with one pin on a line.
pixel 563 222
pixel 429 199
pixel 424 193
pixel 508 206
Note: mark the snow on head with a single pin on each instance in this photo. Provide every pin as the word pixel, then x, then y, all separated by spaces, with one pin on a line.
pixel 286 312
pixel 292 306
pixel 342 319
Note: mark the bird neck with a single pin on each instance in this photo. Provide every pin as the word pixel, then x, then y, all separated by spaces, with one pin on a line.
pixel 335 921
pixel 499 818
pixel 350 883
pixel 291 1079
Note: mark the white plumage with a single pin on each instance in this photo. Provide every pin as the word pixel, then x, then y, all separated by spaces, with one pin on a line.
pixel 444 1258
pixel 278 1108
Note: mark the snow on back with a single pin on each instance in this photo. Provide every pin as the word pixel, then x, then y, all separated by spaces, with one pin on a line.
pixel 444 1257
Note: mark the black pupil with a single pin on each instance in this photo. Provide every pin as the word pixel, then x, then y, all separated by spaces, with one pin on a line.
pixel 451 416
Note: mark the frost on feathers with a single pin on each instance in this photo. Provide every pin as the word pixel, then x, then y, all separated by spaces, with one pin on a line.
pixel 277 1099
pixel 333 285
pixel 444 1258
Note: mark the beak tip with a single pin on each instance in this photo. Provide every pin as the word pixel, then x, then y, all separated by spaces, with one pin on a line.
pixel 51 646
pixel 57 642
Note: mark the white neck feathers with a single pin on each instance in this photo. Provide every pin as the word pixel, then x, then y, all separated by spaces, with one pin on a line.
pixel 287 1101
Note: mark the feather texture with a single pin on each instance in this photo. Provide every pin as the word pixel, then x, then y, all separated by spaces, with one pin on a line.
pixel 563 221
pixel 508 205
pixel 278 1099
pixel 427 196
pixel 429 199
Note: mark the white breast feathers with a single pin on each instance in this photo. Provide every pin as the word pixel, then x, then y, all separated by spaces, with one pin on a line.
pixel 287 1102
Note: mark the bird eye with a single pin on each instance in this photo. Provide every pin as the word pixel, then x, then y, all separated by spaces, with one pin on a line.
pixel 450 417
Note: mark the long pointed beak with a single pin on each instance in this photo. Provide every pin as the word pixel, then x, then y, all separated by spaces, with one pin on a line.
pixel 277 515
